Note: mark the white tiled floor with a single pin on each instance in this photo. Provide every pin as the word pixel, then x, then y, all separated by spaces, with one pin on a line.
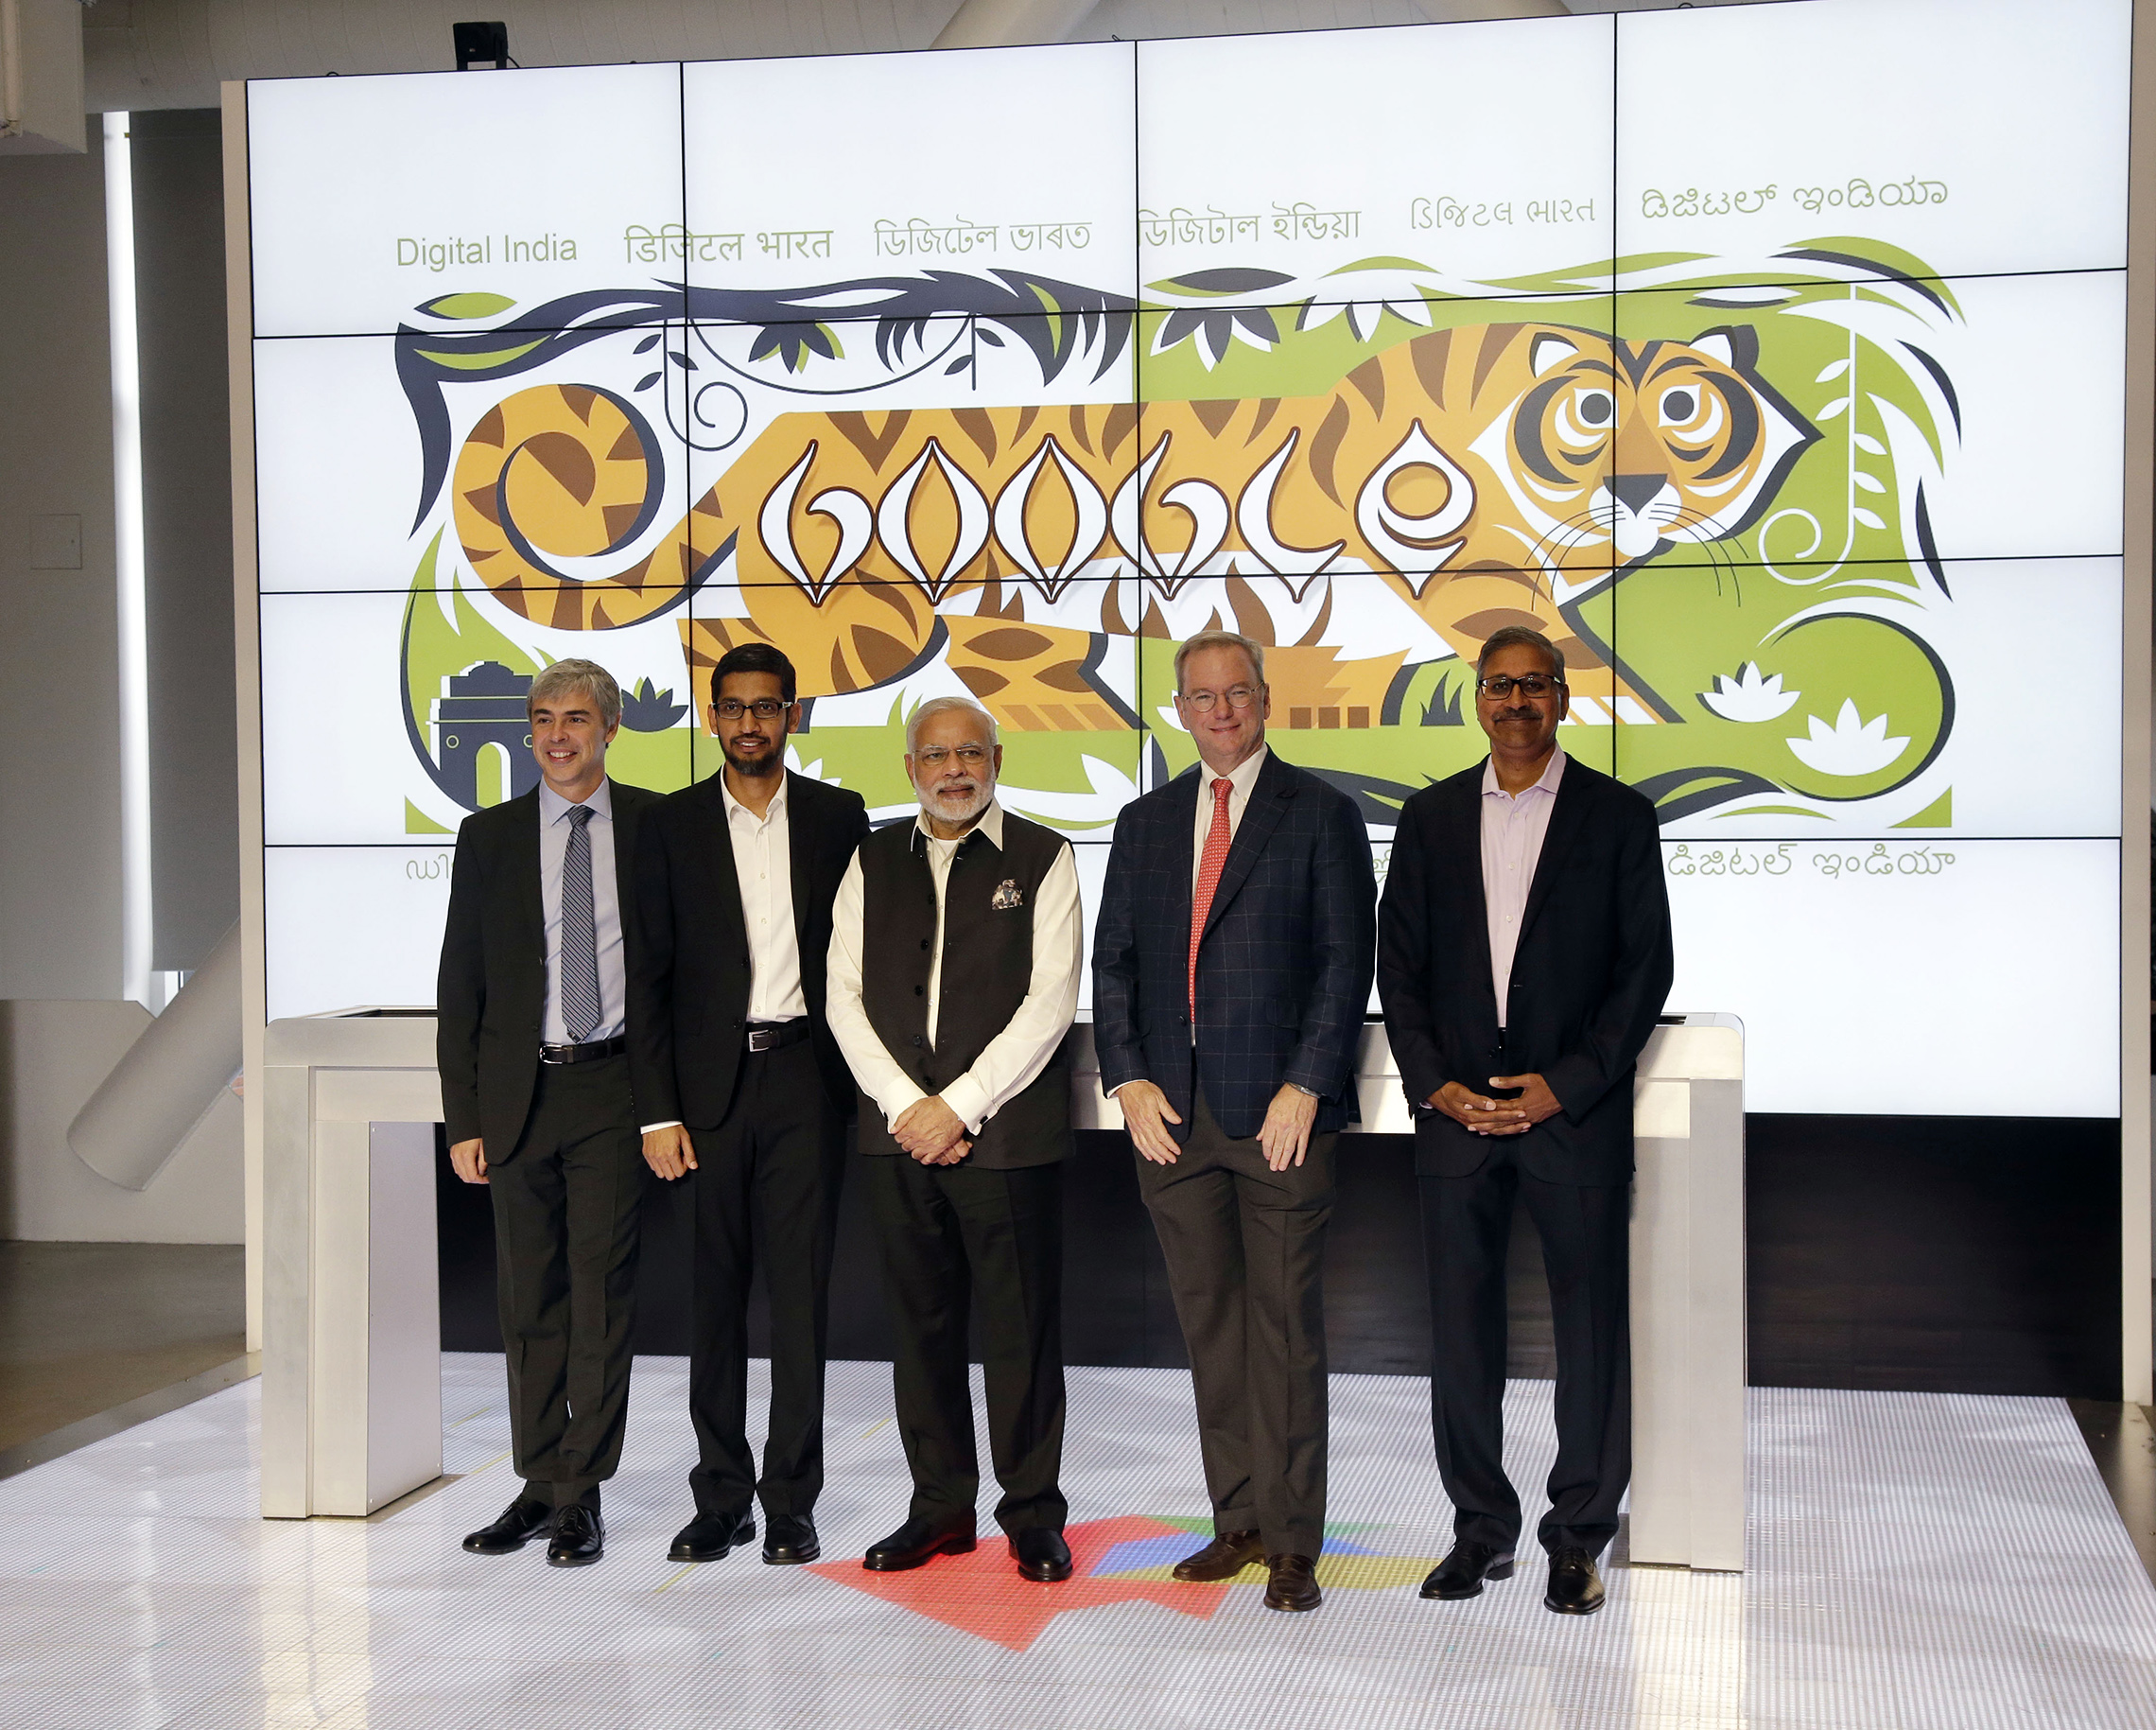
pixel 1917 1561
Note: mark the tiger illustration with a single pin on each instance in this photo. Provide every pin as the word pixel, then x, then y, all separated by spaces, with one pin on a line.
pixel 1489 475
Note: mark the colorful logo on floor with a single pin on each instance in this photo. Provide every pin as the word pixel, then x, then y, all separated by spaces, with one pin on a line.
pixel 1126 1560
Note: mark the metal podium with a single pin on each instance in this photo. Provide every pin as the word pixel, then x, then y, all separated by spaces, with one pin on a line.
pixel 351 1362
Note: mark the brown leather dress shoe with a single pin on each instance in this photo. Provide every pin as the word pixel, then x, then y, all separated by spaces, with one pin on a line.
pixel 1293 1584
pixel 1225 1557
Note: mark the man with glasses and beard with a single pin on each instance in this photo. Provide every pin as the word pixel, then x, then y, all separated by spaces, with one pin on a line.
pixel 954 1020
pixel 738 1082
pixel 1523 953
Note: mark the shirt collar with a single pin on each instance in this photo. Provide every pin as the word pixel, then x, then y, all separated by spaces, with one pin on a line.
pixel 553 807
pixel 991 824
pixel 1244 775
pixel 776 807
pixel 1553 772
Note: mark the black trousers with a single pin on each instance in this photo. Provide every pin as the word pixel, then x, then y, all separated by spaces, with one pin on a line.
pixel 946 1230
pixel 1586 1249
pixel 1246 1251
pixel 766 1188
pixel 566 1211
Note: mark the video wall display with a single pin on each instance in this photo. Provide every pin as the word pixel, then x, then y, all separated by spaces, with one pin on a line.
pixel 1792 409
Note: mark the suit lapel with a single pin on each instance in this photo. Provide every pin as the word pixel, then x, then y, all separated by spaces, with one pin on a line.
pixel 1566 819
pixel 801 849
pixel 1182 814
pixel 529 900
pixel 1268 804
pixel 715 841
pixel 1467 861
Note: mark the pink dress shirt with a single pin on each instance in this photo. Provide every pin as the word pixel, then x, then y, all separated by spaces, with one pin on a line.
pixel 1513 826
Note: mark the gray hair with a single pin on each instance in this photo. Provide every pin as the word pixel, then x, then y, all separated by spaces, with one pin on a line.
pixel 942 706
pixel 1221 639
pixel 1509 635
pixel 586 679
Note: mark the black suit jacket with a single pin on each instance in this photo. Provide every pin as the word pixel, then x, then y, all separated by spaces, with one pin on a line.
pixel 1283 962
pixel 1589 977
pixel 491 994
pixel 688 994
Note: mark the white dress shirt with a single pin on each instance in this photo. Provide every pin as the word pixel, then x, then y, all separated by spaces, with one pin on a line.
pixel 763 864
pixel 763 860
pixel 1011 1061
pixel 1245 777
pixel 1513 826
pixel 554 827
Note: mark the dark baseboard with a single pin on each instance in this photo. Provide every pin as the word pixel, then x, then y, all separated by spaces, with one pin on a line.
pixel 1968 1255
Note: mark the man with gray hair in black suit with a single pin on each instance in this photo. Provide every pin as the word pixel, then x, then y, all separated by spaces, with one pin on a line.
pixel 531 1013
pixel 952 1022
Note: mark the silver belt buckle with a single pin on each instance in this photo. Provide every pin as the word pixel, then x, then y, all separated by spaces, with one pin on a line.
pixel 762 1039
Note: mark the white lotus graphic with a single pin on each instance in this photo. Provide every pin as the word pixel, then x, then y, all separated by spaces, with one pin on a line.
pixel 1749 697
pixel 1851 746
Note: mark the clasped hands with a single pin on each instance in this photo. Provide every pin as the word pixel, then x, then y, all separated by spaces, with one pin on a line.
pixel 1284 1136
pixel 1485 1116
pixel 929 1129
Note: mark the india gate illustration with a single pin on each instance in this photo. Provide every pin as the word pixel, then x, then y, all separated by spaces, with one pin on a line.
pixel 485 705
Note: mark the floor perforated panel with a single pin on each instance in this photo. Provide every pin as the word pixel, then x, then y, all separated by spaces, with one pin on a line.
pixel 1917 1560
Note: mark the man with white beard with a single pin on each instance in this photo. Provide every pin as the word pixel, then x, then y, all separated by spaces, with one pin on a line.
pixel 952 1022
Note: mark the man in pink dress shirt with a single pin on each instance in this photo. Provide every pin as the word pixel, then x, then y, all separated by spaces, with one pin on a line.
pixel 1523 953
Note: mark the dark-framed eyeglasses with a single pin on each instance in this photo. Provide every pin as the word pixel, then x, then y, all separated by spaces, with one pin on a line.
pixel 1500 686
pixel 763 708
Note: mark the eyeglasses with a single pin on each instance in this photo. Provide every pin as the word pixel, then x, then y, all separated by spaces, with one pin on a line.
pixel 1235 696
pixel 764 708
pixel 935 756
pixel 1500 686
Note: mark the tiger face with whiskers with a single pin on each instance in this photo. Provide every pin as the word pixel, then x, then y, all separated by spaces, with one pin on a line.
pixel 1635 447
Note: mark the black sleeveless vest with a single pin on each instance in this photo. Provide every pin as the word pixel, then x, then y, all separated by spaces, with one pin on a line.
pixel 987 965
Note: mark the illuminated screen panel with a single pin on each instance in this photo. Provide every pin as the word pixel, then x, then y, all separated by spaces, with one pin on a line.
pixel 1348 163
pixel 941 403
pixel 483 196
pixel 1898 977
pixel 807 175
pixel 1970 137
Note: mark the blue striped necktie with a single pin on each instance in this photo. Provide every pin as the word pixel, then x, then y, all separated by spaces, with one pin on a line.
pixel 579 933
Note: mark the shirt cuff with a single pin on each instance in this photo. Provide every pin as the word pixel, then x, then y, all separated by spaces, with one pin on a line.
pixel 671 1122
pixel 969 1100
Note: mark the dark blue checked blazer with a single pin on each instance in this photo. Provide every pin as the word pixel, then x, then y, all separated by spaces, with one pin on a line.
pixel 1284 962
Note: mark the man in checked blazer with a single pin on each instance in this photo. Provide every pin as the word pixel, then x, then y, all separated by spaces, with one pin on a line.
pixel 1231 967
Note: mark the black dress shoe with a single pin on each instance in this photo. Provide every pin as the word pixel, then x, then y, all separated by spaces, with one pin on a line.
pixel 1041 1553
pixel 790 1539
pixel 579 1537
pixel 1462 1572
pixel 1294 1584
pixel 1576 1588
pixel 521 1521
pixel 920 1541
pixel 710 1536
pixel 1225 1557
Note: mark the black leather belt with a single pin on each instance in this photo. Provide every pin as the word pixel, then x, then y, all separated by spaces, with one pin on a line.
pixel 777 1035
pixel 583 1053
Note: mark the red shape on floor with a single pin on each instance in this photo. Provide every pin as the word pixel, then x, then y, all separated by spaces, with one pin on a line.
pixel 981 1594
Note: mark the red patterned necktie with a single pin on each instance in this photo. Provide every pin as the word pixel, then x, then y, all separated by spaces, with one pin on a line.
pixel 1209 864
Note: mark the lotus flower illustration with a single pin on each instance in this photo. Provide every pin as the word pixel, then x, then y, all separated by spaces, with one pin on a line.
pixel 1851 746
pixel 1749 697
